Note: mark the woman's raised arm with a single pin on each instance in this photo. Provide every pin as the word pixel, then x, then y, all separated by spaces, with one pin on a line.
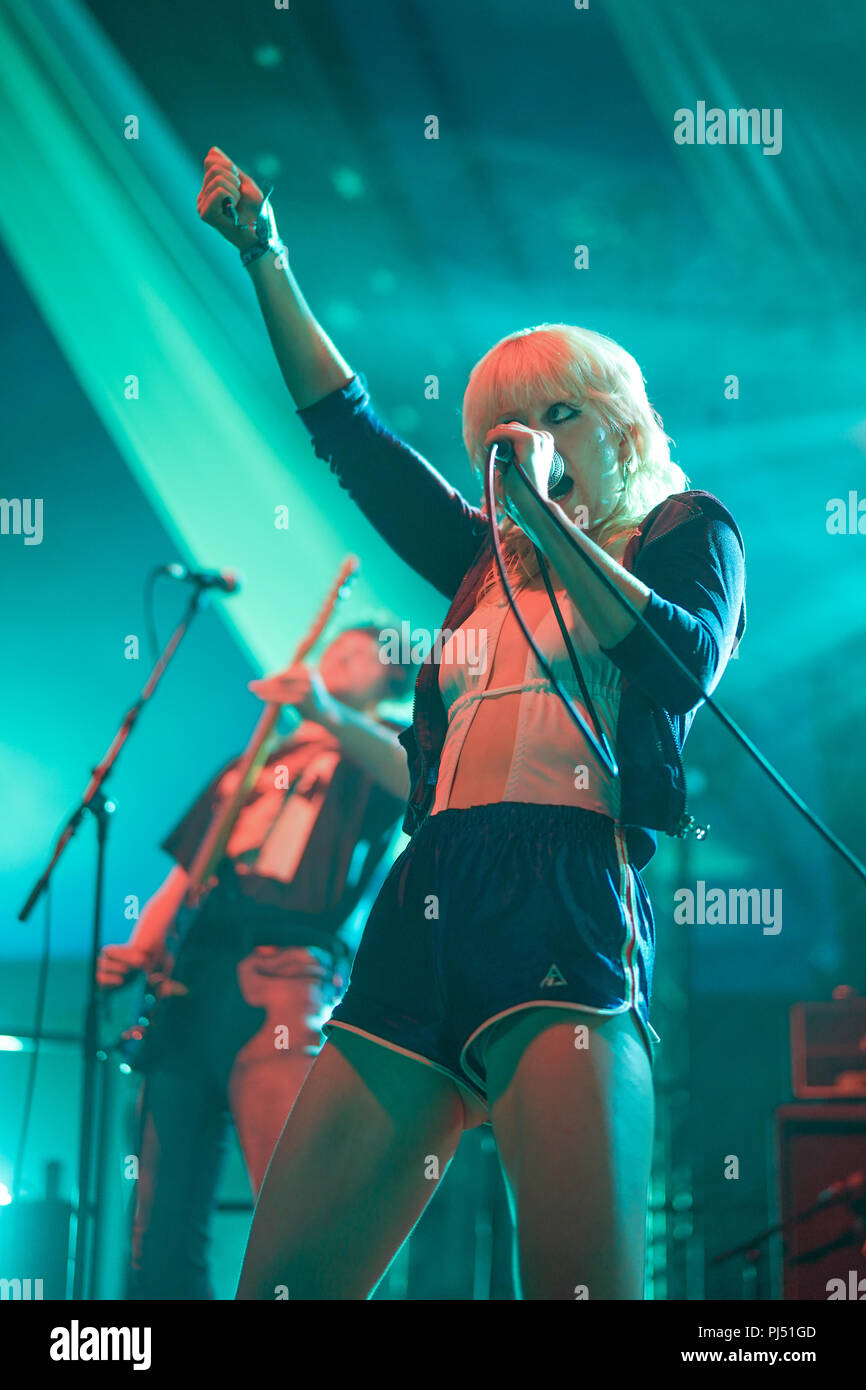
pixel 417 512
pixel 311 365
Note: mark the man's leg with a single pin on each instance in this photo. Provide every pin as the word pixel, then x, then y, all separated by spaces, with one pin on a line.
pixel 269 1071
pixel 185 1132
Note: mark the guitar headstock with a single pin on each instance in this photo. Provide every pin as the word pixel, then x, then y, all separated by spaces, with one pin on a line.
pixel 340 589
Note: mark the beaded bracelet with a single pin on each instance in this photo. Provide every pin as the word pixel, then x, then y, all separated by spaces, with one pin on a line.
pixel 252 253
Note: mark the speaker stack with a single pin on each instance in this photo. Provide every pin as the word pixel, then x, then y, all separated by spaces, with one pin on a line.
pixel 821 1153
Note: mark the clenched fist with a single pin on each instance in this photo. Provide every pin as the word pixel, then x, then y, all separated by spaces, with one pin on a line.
pixel 229 199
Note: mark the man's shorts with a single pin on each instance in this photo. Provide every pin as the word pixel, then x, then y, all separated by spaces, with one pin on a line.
pixel 493 909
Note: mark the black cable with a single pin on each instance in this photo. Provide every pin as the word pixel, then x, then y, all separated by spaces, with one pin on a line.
pixel 605 757
pixel 572 654
pixel 38 1024
pixel 733 728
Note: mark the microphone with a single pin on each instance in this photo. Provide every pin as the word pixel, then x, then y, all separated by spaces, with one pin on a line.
pixel 223 580
pixel 557 485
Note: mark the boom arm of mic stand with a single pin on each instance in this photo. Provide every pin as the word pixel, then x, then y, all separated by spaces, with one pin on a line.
pixel 103 768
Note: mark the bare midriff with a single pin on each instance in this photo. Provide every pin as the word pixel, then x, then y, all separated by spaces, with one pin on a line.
pixel 484 764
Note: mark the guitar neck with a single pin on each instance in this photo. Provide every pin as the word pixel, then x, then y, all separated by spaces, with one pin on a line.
pixel 213 846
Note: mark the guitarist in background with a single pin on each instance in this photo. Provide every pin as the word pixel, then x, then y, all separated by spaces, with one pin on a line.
pixel 263 963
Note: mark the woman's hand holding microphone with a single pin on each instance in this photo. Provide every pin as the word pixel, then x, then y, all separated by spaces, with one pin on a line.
pixel 533 450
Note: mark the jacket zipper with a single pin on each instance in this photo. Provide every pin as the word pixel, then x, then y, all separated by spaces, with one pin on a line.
pixel 686 825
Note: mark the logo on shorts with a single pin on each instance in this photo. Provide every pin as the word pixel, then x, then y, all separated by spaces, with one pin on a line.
pixel 554 976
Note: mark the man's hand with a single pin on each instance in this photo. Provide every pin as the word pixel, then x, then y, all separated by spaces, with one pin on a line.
pixel 116 964
pixel 300 686
pixel 224 180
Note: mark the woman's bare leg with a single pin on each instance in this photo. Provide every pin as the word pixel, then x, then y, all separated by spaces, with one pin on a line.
pixel 574 1128
pixel 353 1170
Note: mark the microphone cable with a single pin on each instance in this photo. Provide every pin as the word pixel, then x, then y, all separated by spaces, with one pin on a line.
pixel 600 745
pixel 742 738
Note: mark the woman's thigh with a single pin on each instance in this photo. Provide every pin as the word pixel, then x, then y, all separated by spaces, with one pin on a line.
pixel 571 1103
pixel 366 1141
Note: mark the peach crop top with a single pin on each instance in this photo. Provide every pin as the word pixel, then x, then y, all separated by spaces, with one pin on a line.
pixel 513 739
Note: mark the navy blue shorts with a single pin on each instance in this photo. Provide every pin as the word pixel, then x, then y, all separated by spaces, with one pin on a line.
pixel 493 909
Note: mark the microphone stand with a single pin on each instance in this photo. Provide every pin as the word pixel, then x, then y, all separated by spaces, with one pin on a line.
pixel 101 808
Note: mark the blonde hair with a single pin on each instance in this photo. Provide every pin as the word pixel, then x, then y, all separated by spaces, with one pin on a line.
pixel 566 363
